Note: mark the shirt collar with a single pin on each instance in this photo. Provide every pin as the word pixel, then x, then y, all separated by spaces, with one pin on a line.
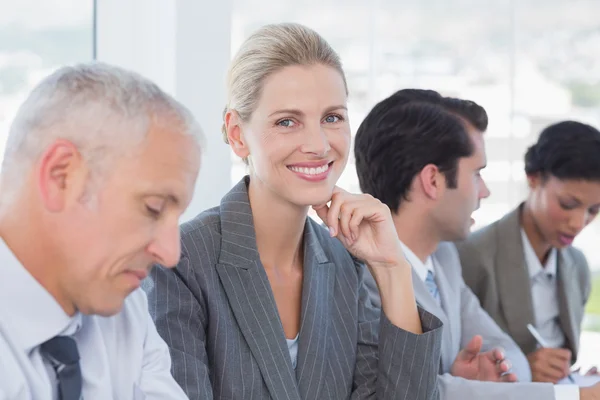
pixel 29 313
pixel 420 268
pixel 534 266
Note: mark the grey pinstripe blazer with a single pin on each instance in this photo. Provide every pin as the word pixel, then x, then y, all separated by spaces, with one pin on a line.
pixel 217 313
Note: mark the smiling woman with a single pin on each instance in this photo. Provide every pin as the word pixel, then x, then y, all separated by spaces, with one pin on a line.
pixel 264 302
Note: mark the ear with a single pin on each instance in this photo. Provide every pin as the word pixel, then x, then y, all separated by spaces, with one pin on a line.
pixel 432 181
pixel 61 175
pixel 534 180
pixel 235 134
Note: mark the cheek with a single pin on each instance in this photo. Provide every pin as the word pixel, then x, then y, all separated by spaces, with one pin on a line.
pixel 552 214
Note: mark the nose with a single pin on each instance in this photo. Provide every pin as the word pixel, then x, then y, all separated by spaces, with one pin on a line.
pixel 316 141
pixel 484 191
pixel 578 220
pixel 166 246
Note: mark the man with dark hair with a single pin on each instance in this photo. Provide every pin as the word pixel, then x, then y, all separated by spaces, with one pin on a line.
pixel 523 267
pixel 421 154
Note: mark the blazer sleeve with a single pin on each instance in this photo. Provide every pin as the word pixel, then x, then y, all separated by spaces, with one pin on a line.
pixel 476 321
pixel 180 319
pixel 393 363
pixel 454 388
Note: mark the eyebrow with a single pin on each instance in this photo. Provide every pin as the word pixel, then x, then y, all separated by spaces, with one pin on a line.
pixel 300 113
pixel 168 196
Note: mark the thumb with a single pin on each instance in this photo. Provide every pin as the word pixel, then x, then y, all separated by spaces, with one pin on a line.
pixel 472 349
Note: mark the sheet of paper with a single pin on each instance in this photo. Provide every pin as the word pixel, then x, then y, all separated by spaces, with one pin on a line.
pixel 581 380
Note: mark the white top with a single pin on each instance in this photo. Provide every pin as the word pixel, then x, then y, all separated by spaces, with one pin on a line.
pixel 293 349
pixel 544 293
pixel 122 357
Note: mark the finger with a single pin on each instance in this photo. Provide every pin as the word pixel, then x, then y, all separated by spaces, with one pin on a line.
pixel 354 223
pixel 472 349
pixel 503 367
pixel 337 189
pixel 322 212
pixel 337 199
pixel 475 344
pixel 553 372
pixel 511 377
pixel 498 354
pixel 559 364
pixel 346 212
pixel 561 354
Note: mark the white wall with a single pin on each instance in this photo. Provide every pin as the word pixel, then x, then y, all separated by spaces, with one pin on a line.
pixel 184 46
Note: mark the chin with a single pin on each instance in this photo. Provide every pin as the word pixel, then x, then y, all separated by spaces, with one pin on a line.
pixel 313 197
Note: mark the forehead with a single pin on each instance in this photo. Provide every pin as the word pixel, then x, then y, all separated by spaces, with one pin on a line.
pixel 303 88
pixel 583 190
pixel 167 163
pixel 478 157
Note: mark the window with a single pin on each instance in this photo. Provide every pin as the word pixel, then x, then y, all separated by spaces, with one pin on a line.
pixel 37 37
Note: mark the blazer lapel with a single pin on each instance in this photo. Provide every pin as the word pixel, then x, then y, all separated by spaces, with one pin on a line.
pixel 569 299
pixel 427 302
pixel 452 308
pixel 513 280
pixel 317 292
pixel 250 297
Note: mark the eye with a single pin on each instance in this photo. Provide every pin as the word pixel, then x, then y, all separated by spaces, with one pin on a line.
pixel 333 118
pixel 154 207
pixel 594 210
pixel 154 213
pixel 286 123
pixel 565 206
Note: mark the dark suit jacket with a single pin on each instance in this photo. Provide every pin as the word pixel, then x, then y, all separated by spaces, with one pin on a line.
pixel 494 266
pixel 217 313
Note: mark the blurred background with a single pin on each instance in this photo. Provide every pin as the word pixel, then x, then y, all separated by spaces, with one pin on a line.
pixel 529 63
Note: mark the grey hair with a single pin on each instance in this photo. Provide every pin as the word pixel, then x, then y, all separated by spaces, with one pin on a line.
pixel 105 111
pixel 268 50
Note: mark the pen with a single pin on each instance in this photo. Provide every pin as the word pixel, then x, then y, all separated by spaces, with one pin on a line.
pixel 534 332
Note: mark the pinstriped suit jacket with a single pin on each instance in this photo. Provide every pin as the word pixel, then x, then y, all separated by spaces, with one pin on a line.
pixel 217 313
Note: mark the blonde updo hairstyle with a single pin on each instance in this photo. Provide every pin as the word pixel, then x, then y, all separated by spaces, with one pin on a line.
pixel 267 51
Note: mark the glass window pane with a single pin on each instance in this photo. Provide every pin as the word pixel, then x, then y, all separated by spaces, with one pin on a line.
pixel 37 37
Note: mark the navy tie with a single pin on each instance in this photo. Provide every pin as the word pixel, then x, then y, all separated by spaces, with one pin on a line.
pixel 62 353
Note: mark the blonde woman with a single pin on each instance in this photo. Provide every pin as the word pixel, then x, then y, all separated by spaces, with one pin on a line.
pixel 265 303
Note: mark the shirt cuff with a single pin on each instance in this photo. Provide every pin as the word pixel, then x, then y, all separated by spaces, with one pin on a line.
pixel 566 392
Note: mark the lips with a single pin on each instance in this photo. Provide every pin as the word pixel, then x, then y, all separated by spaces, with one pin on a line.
pixel 311 171
pixel 565 240
pixel 140 274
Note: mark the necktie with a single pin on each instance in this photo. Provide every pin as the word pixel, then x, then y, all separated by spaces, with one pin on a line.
pixel 432 287
pixel 62 353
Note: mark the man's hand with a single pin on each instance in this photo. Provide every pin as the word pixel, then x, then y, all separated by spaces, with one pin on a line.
pixel 549 365
pixel 489 366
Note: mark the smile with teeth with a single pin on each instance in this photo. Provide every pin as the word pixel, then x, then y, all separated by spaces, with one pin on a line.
pixel 310 171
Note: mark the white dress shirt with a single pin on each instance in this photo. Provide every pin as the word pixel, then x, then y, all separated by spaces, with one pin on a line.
pixel 544 292
pixel 420 267
pixel 121 357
